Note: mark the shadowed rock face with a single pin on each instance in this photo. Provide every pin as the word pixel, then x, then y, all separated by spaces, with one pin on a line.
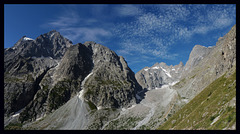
pixel 112 83
pixel 26 63
pixel 65 84
pixel 43 74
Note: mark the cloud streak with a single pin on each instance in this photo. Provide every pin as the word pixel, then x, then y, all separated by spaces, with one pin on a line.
pixel 166 25
pixel 85 34
pixel 142 32
pixel 79 28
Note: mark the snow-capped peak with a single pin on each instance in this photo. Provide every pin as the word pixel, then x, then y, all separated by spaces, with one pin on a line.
pixel 26 38
pixel 146 69
pixel 155 67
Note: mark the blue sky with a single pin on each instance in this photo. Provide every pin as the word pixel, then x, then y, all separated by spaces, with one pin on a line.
pixel 142 33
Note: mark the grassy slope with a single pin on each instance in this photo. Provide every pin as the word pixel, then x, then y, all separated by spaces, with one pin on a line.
pixel 212 102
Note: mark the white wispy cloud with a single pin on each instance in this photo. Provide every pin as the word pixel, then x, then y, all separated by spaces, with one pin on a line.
pixel 158 27
pixel 79 28
pixel 85 34
pixel 143 32
pixel 128 10
pixel 68 18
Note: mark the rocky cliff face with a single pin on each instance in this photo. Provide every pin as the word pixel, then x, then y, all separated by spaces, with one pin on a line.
pixel 197 54
pixel 112 83
pixel 158 75
pixel 26 63
pixel 205 64
pixel 216 61
pixel 206 67
pixel 43 74
pixel 88 86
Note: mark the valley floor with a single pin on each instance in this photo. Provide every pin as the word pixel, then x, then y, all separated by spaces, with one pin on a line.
pixel 149 113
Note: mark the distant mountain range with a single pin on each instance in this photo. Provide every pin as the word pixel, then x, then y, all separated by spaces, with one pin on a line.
pixel 49 83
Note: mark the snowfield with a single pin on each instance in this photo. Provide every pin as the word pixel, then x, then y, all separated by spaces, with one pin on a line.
pixel 27 38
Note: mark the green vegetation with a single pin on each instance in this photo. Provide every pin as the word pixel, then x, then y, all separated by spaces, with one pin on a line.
pixel 91 105
pixel 123 123
pixel 30 78
pixel 89 92
pixel 201 111
pixel 45 87
pixel 144 127
pixel 58 95
pixel 12 79
pixel 213 117
pixel 180 83
pixel 193 76
pixel 14 126
pixel 92 89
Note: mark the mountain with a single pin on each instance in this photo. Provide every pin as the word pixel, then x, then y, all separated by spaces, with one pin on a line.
pixel 215 62
pixel 210 89
pixel 197 54
pixel 42 75
pixel 26 63
pixel 158 75
pixel 88 86
pixel 214 108
pixel 201 96
pixel 51 44
pixel 206 66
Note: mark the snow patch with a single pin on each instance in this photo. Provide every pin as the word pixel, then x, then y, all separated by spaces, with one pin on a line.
pixel 164 86
pixel 173 83
pixel 39 118
pixel 80 95
pixel 52 35
pixel 26 38
pixel 146 69
pixel 155 67
pixel 17 113
pixel 166 72
pixel 99 107
pixel 185 100
pixel 216 119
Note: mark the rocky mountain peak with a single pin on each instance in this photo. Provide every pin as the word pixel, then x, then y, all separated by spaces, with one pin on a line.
pixel 22 40
pixel 180 64
pixel 158 75
pixel 197 54
pixel 162 64
pixel 89 43
pixel 55 71
pixel 51 44
pixel 55 37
